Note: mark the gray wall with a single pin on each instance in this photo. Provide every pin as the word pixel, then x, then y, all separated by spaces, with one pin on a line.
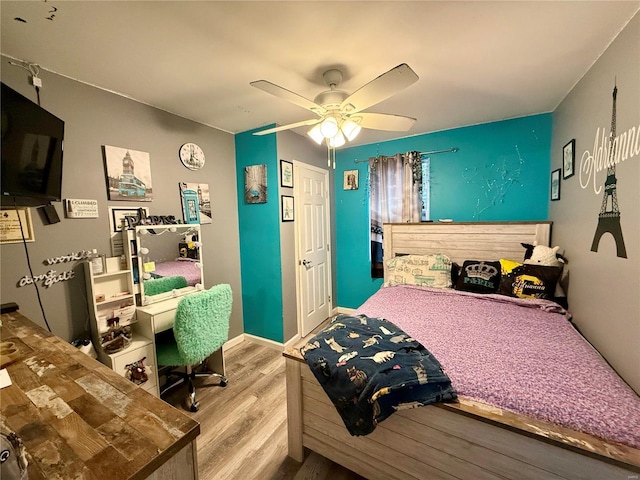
pixel 604 292
pixel 292 146
pixel 94 118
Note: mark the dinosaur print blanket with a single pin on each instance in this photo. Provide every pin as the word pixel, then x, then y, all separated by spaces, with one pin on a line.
pixel 370 368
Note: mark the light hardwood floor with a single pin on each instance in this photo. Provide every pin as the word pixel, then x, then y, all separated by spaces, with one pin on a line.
pixel 244 425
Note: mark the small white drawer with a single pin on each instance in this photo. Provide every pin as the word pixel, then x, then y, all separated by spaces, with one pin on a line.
pixel 129 356
pixel 163 321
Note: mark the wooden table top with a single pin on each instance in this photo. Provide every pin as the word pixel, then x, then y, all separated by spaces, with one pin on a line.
pixel 78 418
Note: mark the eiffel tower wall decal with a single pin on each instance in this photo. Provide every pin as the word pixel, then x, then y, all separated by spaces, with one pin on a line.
pixel 609 217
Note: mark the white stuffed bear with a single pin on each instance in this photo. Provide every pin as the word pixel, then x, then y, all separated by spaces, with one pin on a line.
pixel 541 255
pixel 549 256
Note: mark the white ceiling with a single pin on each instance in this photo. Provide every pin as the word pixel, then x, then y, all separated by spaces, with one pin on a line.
pixel 478 61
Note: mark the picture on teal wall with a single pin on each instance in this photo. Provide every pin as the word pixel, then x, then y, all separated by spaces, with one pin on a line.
pixel 255 184
pixel 350 180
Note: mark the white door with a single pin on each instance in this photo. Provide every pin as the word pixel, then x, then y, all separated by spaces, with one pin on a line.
pixel 314 258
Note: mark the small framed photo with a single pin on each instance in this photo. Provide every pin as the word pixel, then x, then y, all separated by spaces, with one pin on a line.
pixel 569 159
pixel 15 225
pixel 350 181
pixel 286 174
pixel 255 184
pixel 555 185
pixel 287 208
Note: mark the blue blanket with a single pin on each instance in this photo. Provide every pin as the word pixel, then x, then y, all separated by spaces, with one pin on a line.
pixel 370 368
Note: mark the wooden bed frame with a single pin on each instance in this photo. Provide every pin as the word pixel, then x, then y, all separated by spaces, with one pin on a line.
pixel 465 440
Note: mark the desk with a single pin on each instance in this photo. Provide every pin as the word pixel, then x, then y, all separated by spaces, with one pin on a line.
pixel 80 419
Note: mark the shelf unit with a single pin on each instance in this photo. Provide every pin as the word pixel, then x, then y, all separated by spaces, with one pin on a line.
pixel 111 294
pixel 129 244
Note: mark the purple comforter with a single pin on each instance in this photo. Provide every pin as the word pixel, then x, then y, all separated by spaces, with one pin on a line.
pixel 519 355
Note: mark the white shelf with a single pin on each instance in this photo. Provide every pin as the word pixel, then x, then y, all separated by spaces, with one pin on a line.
pixel 110 274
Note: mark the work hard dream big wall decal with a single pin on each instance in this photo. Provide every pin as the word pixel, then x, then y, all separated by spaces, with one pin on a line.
pixel 606 154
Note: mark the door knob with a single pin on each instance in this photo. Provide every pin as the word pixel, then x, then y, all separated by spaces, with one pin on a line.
pixel 306 263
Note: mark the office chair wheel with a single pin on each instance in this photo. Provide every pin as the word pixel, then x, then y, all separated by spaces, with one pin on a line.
pixel 223 383
pixel 191 405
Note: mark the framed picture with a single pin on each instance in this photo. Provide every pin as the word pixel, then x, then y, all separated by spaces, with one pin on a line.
pixel 286 174
pixel 118 215
pixel 14 224
pixel 555 185
pixel 201 191
pixel 128 174
pixel 350 181
pixel 287 208
pixel 255 184
pixel 569 159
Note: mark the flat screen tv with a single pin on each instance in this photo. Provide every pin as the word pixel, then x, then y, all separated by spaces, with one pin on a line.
pixel 32 142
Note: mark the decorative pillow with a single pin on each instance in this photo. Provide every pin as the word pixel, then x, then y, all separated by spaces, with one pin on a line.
pixel 479 276
pixel 528 281
pixel 425 270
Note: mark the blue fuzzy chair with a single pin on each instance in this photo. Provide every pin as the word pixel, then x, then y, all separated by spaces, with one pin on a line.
pixel 200 328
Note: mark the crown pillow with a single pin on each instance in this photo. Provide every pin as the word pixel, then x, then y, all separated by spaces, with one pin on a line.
pixel 528 281
pixel 479 276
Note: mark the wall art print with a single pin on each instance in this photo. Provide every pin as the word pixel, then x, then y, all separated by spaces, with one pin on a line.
pixel 202 197
pixel 255 184
pixel 609 217
pixel 286 174
pixel 568 159
pixel 350 180
pixel 128 174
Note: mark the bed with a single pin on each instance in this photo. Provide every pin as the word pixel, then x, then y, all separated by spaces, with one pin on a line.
pixel 180 267
pixel 470 438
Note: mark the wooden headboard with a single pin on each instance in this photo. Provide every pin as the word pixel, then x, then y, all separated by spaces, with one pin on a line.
pixel 464 241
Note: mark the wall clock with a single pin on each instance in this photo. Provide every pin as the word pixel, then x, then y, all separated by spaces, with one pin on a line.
pixel 191 156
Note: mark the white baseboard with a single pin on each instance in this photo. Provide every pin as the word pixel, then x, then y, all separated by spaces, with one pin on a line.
pixel 264 341
pixel 233 342
pixel 278 345
pixel 344 310
pixel 290 343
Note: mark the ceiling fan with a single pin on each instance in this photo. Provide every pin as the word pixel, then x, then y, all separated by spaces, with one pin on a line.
pixel 340 115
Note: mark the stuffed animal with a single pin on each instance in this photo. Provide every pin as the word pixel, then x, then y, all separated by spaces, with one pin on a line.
pixel 541 255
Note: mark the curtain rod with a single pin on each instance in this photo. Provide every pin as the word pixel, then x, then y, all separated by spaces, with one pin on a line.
pixel 432 152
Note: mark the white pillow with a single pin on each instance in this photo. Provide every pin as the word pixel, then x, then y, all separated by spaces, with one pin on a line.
pixel 424 270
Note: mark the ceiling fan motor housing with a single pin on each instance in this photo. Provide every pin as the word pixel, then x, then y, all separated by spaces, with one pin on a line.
pixel 331 99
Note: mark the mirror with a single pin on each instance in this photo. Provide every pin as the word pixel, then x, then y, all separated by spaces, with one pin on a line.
pixel 169 261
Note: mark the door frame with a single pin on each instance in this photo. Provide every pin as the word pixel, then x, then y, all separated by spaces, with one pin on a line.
pixel 296 194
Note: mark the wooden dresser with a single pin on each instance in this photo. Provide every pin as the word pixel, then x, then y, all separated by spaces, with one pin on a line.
pixel 80 419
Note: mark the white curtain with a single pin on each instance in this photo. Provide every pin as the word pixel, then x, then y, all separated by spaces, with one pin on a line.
pixel 395 197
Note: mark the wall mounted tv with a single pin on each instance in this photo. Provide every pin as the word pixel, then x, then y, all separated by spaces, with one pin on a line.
pixel 32 142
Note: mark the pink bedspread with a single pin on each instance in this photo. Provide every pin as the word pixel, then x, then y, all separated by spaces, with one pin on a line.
pixel 520 355
pixel 184 267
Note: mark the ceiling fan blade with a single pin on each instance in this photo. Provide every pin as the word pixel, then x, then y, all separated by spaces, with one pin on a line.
pixel 312 121
pixel 379 89
pixel 288 95
pixel 385 121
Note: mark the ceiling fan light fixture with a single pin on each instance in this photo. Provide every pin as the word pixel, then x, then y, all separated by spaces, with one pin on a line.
pixel 316 134
pixel 350 129
pixel 329 127
pixel 337 140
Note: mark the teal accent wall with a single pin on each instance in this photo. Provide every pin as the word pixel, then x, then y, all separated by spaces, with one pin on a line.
pixel 260 240
pixel 500 173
